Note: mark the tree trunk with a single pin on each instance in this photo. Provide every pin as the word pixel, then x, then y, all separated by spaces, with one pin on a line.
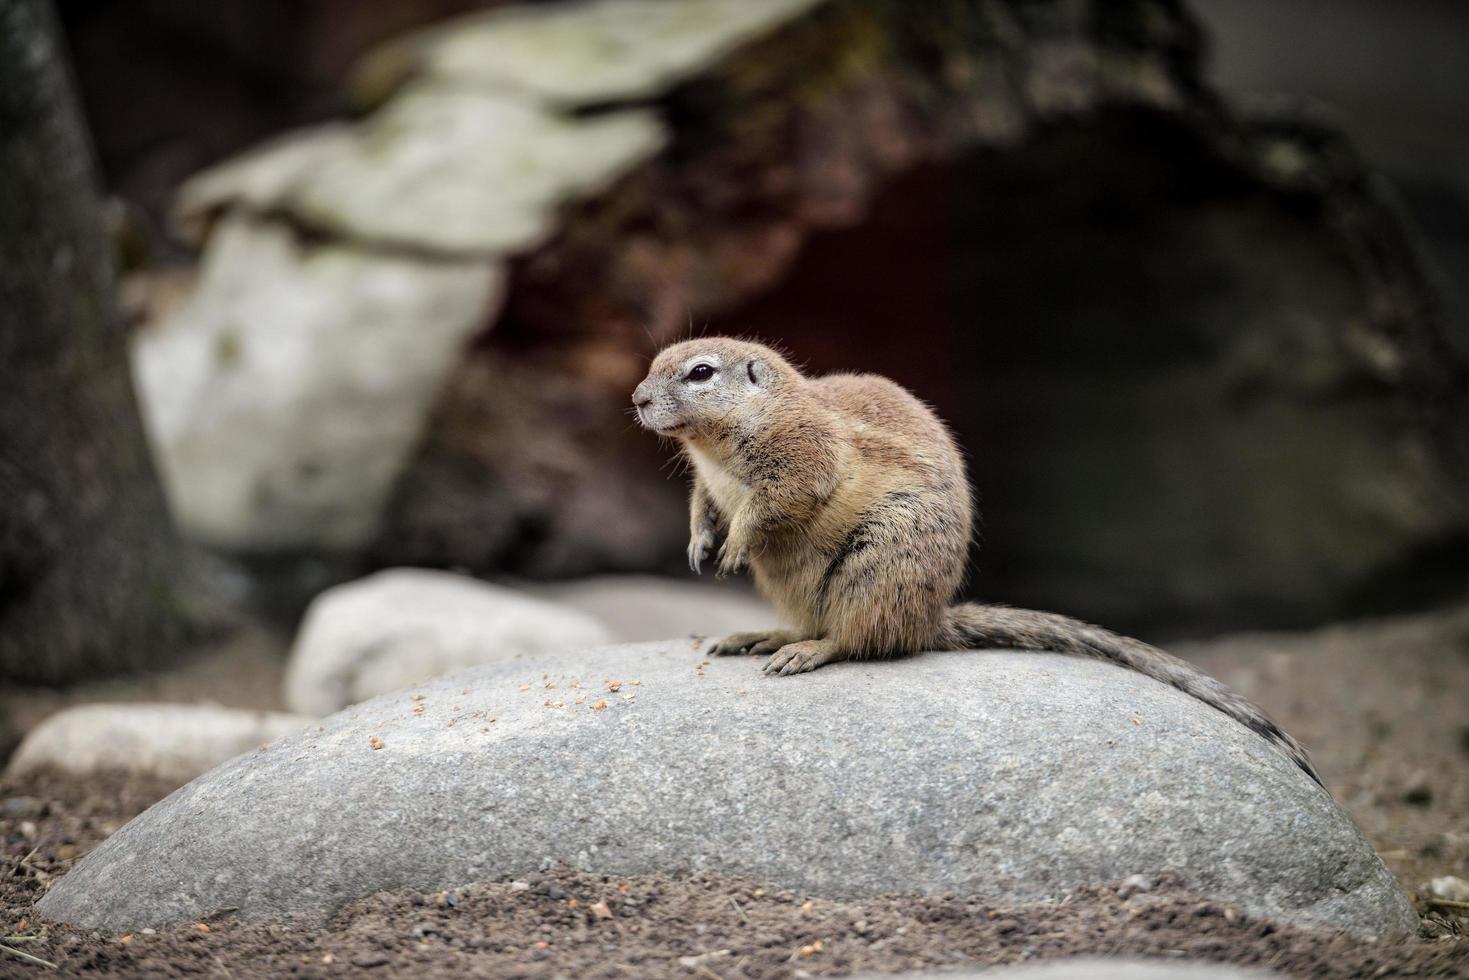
pixel 90 565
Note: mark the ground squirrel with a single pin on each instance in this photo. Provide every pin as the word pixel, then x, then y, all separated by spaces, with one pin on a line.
pixel 847 498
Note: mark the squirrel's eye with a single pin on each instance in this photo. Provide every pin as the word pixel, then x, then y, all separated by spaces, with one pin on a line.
pixel 699 372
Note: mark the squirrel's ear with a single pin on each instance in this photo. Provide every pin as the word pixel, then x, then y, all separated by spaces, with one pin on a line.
pixel 757 372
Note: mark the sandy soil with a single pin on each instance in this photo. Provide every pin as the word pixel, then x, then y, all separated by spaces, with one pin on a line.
pixel 572 924
pixel 1381 705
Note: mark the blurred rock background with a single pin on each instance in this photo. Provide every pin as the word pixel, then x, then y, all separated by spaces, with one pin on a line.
pixel 1185 290
pixel 1205 369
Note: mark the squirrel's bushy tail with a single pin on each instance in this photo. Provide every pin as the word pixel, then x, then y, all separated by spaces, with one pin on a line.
pixel 971 625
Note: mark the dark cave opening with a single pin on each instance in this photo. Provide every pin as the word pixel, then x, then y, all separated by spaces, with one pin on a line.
pixel 1142 350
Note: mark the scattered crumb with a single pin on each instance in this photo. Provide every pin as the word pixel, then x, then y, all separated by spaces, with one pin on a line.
pixel 201 927
pixel 600 909
pixel 614 686
pixel 525 687
pixel 418 709
pixel 417 697
pixel 599 705
pixel 375 742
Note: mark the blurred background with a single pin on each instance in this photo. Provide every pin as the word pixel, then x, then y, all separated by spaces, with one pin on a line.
pixel 1187 280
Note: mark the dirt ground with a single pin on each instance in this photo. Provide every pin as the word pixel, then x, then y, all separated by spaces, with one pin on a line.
pixel 1382 705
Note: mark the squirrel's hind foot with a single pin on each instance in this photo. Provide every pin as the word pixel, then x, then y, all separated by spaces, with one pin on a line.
pixel 803 656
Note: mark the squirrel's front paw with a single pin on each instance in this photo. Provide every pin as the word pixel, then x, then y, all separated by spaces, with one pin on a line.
pixel 734 557
pixel 701 546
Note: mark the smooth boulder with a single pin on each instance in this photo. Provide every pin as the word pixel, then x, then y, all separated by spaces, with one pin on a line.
pixel 167 741
pixel 407 625
pixel 1014 776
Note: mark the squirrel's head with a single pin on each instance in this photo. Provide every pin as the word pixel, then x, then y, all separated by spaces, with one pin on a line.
pixel 696 387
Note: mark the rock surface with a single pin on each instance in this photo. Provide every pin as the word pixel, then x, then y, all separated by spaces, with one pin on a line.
pixel 1011 775
pixel 169 741
pixel 407 625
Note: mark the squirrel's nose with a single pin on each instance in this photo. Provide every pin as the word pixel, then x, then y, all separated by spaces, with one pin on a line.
pixel 641 398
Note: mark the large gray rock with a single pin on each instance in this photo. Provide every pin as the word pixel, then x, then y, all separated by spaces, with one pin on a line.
pixel 1016 776
pixel 167 741
pixel 407 625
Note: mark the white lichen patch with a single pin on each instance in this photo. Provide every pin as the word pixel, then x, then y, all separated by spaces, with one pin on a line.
pixel 263 177
pixel 439 169
pixel 284 396
pixel 606 50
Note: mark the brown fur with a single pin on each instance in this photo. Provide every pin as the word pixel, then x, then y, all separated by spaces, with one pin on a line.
pixel 847 499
